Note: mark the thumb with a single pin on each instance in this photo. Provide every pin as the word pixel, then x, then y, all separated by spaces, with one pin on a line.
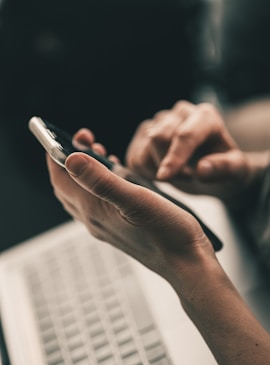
pixel 98 180
pixel 222 166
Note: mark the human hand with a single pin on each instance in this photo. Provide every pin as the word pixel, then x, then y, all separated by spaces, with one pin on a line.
pixel 166 239
pixel 134 219
pixel 190 147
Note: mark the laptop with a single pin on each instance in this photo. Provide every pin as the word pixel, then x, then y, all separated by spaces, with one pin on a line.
pixel 68 299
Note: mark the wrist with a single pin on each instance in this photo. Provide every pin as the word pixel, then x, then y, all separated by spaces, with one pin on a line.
pixel 225 322
pixel 208 286
pixel 193 274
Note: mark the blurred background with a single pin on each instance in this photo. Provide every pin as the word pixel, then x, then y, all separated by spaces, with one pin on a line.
pixel 108 65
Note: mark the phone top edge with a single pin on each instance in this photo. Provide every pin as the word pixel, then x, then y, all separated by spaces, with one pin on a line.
pixel 34 122
pixel 46 139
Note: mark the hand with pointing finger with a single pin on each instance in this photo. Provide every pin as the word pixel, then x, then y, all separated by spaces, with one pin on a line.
pixel 190 147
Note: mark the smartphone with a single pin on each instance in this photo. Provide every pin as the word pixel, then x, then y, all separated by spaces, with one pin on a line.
pixel 58 144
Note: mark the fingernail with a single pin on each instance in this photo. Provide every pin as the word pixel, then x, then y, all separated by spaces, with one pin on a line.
pixel 76 164
pixel 163 172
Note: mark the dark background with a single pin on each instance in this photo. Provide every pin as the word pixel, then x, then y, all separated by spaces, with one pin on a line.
pixel 108 65
pixel 103 65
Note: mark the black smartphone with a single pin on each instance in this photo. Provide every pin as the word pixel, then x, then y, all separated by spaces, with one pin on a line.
pixel 58 144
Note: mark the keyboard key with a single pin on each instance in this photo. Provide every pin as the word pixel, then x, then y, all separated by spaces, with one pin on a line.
pixel 55 358
pixel 119 325
pixel 92 318
pixel 87 297
pixel 95 329
pixel 43 312
pixel 163 361
pixel 99 340
pixel 49 335
pixel 150 337
pixel 78 354
pixel 112 302
pixel 127 348
pixel 65 308
pixel 92 314
pixel 74 342
pixel 124 335
pixel 107 361
pixel 116 313
pixel 84 361
pixel 108 292
pixel 137 302
pixel 103 352
pixel 133 359
pixel 56 362
pixel 155 353
pixel 68 319
pixel 46 324
pixel 72 330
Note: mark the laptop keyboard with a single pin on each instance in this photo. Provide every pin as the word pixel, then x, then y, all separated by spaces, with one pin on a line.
pixel 90 309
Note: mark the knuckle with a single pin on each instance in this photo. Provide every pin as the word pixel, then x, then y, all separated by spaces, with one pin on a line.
pixel 206 108
pixel 181 105
pixel 161 114
pixel 155 136
pixel 143 131
pixel 143 127
pixel 146 124
pixel 210 115
pixel 209 111
pixel 184 134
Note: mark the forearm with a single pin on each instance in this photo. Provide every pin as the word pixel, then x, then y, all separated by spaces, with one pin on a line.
pixel 224 320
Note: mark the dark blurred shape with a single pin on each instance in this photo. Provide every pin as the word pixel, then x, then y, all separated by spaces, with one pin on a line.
pixel 242 78
pixel 4 358
pixel 106 65
pixel 244 71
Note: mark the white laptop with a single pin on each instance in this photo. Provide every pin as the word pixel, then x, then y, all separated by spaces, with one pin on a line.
pixel 68 299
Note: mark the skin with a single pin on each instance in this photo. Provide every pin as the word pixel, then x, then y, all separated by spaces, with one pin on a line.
pixel 167 240
pixel 190 147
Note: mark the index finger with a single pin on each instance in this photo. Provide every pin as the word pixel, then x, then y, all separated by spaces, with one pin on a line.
pixel 203 124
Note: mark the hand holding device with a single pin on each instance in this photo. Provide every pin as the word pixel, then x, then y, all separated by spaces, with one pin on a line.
pixel 59 145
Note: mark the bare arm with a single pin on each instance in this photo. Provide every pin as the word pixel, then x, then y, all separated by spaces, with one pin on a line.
pixel 170 242
pixel 225 322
